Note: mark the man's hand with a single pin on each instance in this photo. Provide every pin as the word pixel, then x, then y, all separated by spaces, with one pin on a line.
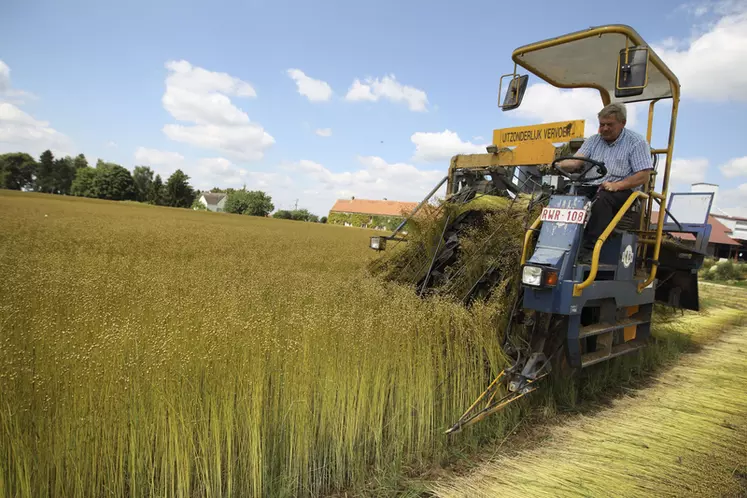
pixel 628 183
pixel 611 186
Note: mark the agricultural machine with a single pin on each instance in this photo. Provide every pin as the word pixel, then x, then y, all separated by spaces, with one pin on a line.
pixel 572 313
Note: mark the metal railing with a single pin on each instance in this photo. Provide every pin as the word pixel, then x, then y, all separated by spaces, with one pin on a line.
pixel 578 288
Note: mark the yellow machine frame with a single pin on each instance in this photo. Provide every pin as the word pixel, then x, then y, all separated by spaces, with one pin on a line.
pixel 519 146
pixel 648 194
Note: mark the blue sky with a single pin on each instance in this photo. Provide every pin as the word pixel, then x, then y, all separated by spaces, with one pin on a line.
pixel 207 87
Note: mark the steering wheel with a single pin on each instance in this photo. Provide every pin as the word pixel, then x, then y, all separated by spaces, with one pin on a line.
pixel 576 177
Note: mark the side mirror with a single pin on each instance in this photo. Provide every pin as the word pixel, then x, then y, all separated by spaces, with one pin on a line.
pixel 632 72
pixel 514 93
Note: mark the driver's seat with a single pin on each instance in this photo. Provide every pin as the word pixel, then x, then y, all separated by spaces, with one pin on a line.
pixel 632 218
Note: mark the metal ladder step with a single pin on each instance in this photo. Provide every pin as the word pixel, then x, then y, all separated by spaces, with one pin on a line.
pixel 599 356
pixel 601 328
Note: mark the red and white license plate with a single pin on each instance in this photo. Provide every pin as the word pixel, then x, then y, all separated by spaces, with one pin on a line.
pixel 561 215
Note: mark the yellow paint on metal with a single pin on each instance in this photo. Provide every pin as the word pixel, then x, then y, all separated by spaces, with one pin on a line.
pixel 630 332
pixel 528 238
pixel 578 288
pixel 548 133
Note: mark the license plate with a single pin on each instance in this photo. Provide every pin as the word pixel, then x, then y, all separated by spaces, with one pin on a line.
pixel 561 215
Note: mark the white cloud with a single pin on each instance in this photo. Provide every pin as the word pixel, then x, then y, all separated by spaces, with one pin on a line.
pixel 375 179
pixel 273 182
pixel 163 162
pixel 7 92
pixel 710 66
pixel 735 167
pixel 544 103
pixel 111 144
pixel 314 90
pixel 218 171
pixel 441 146
pixel 734 201
pixel 373 89
pixel 201 81
pixel 156 157
pixel 204 173
pixel 201 97
pixel 21 132
pixel 684 172
pixel 242 142
pixel 4 77
pixel 324 132
pixel 478 138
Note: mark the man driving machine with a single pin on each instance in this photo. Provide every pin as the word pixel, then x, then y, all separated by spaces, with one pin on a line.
pixel 627 157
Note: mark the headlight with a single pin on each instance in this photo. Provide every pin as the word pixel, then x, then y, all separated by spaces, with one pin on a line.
pixel 538 276
pixel 532 275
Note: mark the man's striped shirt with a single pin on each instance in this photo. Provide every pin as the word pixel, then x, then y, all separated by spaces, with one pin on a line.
pixel 624 157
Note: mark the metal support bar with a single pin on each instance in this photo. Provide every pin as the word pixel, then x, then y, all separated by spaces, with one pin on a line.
pixel 527 238
pixel 435 255
pixel 417 208
pixel 578 288
pixel 660 199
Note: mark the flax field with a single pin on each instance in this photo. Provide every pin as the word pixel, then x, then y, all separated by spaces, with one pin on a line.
pixel 148 351
pixel 151 351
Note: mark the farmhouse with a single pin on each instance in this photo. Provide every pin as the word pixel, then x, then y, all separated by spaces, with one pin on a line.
pixel 366 213
pixel 214 201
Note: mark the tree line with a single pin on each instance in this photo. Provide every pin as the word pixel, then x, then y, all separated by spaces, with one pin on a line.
pixel 74 176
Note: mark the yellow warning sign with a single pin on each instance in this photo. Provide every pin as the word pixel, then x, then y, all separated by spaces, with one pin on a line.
pixel 562 131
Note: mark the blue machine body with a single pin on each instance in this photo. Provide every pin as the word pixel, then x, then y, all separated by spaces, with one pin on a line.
pixel 614 289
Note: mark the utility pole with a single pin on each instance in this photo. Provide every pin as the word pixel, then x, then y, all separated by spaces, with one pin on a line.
pixel 296 208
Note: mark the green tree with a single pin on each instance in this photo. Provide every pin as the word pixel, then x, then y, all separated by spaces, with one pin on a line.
pixel 283 215
pixel 155 192
pixel 323 219
pixel 177 191
pixel 113 182
pixel 304 215
pixel 142 176
pixel 45 174
pixel 80 162
pixel 251 202
pixel 17 171
pixel 84 183
pixel 64 174
pixel 197 205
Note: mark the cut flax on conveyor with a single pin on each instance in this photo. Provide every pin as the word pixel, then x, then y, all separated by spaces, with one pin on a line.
pixel 494 240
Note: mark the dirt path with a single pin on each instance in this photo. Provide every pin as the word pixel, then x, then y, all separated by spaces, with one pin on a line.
pixel 685 435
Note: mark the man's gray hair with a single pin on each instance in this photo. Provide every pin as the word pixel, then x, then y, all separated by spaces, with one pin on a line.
pixel 614 110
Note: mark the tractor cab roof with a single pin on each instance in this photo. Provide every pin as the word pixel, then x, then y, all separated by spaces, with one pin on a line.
pixel 587 59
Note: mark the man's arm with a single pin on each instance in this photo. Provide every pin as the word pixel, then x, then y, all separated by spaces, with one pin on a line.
pixel 642 165
pixel 572 165
pixel 630 182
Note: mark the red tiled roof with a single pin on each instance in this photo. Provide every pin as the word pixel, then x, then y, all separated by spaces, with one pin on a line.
pixel 718 232
pixel 381 208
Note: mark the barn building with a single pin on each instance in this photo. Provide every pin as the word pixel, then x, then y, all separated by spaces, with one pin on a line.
pixel 367 213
